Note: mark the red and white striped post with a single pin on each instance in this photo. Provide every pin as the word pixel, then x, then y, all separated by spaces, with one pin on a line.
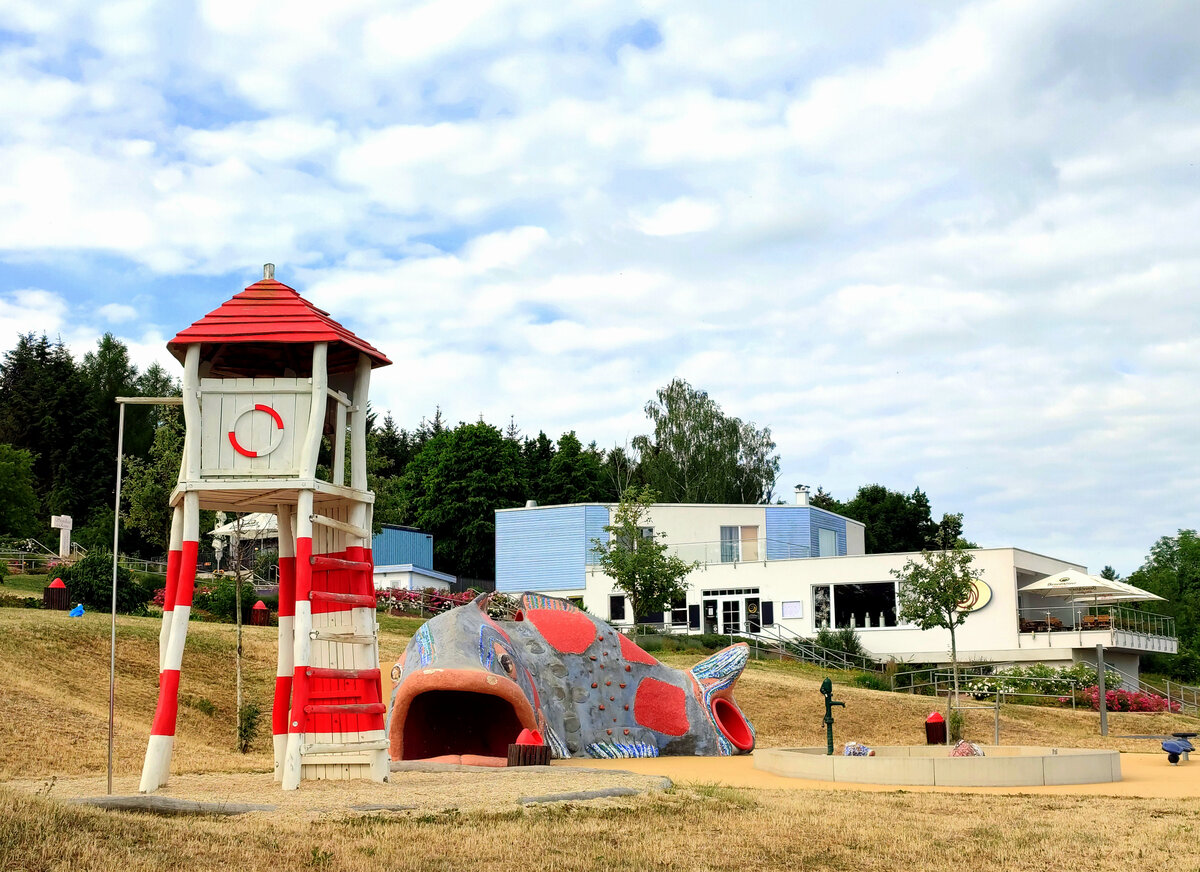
pixel 174 558
pixel 157 768
pixel 302 648
pixel 287 612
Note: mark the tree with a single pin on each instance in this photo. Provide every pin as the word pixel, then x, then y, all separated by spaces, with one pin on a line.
pixel 896 522
pixel 537 455
pixel 18 503
pixel 620 472
pixel 1109 573
pixel 700 455
pixel 452 489
pixel 639 564
pixel 148 482
pixel 575 474
pixel 933 591
pixel 1172 570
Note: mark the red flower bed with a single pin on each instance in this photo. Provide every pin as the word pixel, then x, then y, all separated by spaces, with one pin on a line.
pixel 1128 701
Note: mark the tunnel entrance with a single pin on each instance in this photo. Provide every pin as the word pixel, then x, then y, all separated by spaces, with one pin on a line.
pixel 446 722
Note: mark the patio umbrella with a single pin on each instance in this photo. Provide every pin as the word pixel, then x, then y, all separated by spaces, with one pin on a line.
pixel 1072 584
pixel 1127 593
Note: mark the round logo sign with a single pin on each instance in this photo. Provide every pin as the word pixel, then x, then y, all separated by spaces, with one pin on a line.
pixel 979 597
pixel 276 438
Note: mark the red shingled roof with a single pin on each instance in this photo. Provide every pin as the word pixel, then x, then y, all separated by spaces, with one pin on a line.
pixel 269 313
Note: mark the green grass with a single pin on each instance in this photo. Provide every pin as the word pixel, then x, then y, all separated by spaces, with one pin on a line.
pixel 401 626
pixel 25 585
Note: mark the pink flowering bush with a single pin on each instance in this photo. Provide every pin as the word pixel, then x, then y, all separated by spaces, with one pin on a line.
pixel 1128 701
pixel 430 599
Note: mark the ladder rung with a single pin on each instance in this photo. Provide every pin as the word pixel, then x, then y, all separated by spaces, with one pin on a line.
pixel 354 599
pixel 351 529
pixel 349 708
pixel 342 638
pixel 321 563
pixel 324 672
pixel 343 748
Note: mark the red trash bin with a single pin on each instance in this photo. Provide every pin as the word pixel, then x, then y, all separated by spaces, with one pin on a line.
pixel 935 729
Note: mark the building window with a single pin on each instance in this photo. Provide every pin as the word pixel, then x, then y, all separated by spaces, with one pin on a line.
pixel 827 543
pixel 731 544
pixel 576 601
pixel 749 543
pixel 821 607
pixel 679 611
pixel 616 608
pixel 871 604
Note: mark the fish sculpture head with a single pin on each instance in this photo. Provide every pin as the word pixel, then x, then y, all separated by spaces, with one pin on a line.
pixel 462 690
pixel 473 677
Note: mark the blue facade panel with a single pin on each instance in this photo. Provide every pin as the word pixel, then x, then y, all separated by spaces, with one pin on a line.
pixel 789 533
pixel 392 547
pixel 823 520
pixel 595 519
pixel 541 549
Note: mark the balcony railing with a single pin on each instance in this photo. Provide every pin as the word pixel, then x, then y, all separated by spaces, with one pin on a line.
pixel 741 551
pixel 1081 617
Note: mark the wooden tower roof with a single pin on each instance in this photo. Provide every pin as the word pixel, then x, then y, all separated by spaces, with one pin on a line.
pixel 269 329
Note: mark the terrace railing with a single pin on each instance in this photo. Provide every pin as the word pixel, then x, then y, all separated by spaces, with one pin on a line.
pixel 1078 617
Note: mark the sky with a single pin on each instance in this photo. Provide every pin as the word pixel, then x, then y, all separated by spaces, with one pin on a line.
pixel 949 245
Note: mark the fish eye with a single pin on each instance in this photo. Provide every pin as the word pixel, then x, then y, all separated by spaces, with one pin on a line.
pixel 506 663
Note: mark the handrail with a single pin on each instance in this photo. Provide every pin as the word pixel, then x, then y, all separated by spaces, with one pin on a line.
pixel 1081 616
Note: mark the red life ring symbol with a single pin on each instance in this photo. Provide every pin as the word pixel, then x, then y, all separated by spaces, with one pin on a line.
pixel 274 442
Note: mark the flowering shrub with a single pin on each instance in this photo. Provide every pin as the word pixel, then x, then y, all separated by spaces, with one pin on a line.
pixel 1128 701
pixel 1038 678
pixel 430 599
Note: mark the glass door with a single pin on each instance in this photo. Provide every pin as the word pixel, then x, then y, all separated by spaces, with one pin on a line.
pixel 731 616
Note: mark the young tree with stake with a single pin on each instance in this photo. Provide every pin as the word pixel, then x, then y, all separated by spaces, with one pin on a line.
pixel 637 563
pixel 935 592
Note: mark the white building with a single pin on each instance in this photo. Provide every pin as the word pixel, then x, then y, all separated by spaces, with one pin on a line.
pixel 792 570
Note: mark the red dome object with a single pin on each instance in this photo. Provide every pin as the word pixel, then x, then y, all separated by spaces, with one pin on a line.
pixel 58 582
pixel 530 737
pixel 935 718
pixel 259 605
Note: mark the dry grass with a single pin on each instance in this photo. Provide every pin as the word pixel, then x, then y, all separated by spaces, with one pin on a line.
pixel 53 719
pixel 687 829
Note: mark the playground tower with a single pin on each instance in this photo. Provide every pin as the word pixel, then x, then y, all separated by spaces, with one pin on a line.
pixel 266 377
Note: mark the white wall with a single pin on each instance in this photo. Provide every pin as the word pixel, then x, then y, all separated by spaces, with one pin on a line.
pixel 989 633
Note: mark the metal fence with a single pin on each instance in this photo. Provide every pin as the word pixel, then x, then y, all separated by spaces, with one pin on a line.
pixel 1082 617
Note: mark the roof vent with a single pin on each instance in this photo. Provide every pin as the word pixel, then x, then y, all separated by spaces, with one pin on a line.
pixel 268 271
pixel 531 504
pixel 802 495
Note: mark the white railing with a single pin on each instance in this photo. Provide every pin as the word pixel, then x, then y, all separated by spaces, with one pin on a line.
pixel 756 550
pixel 1082 617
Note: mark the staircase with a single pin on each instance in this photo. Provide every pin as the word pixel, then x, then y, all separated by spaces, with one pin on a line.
pixel 337 708
pixel 797 647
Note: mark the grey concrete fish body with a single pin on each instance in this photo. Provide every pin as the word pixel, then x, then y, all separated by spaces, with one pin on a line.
pixel 470 681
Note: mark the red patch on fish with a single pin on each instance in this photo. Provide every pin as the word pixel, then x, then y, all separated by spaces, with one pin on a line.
pixel 631 652
pixel 661 707
pixel 568 632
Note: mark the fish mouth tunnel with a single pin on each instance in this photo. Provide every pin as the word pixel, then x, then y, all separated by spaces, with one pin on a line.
pixel 442 723
pixel 451 713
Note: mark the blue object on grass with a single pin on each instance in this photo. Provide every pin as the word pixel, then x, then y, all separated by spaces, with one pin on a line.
pixel 76 612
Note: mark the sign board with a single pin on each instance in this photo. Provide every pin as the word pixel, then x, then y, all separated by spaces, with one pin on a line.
pixel 793 609
pixel 979 596
pixel 60 522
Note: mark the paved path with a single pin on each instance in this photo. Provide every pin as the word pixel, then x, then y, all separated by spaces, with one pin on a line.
pixel 1144 775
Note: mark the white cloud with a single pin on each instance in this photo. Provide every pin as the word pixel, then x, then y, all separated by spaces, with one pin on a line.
pixel 947 246
pixel 115 313
pixel 684 215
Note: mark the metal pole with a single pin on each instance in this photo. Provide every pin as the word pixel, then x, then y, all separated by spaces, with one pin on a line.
pixel 1103 702
pixel 112 647
pixel 997 717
